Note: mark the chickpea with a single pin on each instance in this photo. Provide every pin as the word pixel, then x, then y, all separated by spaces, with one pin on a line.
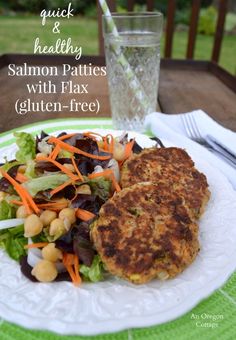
pixel 69 167
pixel 68 213
pixel 47 217
pixel 22 169
pixel 2 195
pixel 57 227
pixel 40 154
pixel 33 225
pixel 45 271
pixel 67 223
pixel 119 152
pixel 84 189
pixel 51 253
pixel 22 212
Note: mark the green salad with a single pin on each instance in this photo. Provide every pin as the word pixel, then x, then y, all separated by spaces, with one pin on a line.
pixel 50 196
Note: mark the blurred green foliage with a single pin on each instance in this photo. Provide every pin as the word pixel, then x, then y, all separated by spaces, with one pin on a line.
pixel 161 5
pixel 207 21
pixel 183 16
pixel 84 32
pixel 230 22
pixel 32 6
pixel 207 18
pixel 87 6
pixel 35 6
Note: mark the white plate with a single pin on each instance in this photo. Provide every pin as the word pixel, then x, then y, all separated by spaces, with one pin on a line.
pixel 115 305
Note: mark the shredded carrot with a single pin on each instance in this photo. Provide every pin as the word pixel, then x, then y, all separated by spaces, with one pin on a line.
pixel 60 166
pixel 104 173
pixel 69 258
pixel 76 269
pixel 68 266
pixel 128 148
pixel 76 169
pixel 21 178
pixel 22 192
pixel 36 245
pixel 105 144
pixel 76 150
pixel 92 134
pixel 69 261
pixel 109 174
pixel 109 143
pixel 69 135
pixel 61 187
pixel 55 152
pixel 53 205
pixel 32 204
pixel 72 274
pixel 115 183
pixel 84 215
pixel 16 202
pixel 18 189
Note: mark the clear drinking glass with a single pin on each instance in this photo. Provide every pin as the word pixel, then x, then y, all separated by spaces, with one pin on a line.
pixel 138 39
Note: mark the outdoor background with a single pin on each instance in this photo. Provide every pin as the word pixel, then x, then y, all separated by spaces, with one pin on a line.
pixel 20 24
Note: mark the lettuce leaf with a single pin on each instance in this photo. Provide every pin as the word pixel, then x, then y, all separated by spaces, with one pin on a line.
pixel 30 169
pixel 8 165
pixel 95 272
pixel 100 187
pixel 60 232
pixel 65 154
pixel 40 237
pixel 44 183
pixel 6 211
pixel 43 146
pixel 27 146
pixel 13 241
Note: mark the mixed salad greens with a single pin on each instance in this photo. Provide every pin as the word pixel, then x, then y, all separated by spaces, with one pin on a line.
pixel 50 195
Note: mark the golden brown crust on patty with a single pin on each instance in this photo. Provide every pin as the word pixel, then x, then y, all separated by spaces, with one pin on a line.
pixel 144 232
pixel 172 166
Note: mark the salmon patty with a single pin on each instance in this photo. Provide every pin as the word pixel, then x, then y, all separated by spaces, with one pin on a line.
pixel 145 232
pixel 175 168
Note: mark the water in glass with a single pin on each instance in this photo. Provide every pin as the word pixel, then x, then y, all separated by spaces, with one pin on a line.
pixel 142 51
